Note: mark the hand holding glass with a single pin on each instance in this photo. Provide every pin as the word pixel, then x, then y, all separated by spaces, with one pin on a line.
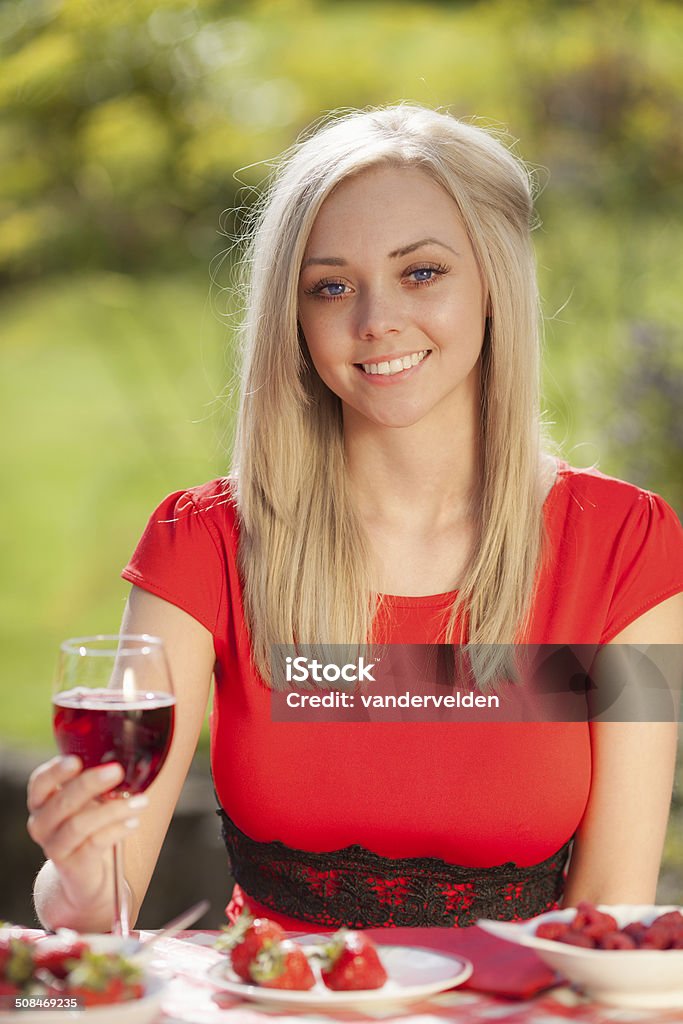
pixel 113 703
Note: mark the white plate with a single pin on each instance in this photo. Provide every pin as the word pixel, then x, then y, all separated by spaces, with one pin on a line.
pixel 413 974
pixel 131 1011
pixel 646 978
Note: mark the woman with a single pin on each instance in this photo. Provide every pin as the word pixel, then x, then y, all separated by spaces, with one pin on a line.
pixel 388 444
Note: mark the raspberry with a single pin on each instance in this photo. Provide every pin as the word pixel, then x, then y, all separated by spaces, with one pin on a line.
pixel 551 930
pixel 673 917
pixel 636 930
pixel 593 922
pixel 616 940
pixel 656 937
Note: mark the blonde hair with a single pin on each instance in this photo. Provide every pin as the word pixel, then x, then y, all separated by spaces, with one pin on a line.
pixel 303 552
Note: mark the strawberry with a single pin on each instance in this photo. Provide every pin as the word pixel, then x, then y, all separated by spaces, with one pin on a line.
pixel 114 990
pixel 16 959
pixel 245 939
pixel 282 965
pixel 58 953
pixel 351 963
pixel 100 978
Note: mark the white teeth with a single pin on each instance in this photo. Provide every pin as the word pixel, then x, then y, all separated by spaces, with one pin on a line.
pixel 389 367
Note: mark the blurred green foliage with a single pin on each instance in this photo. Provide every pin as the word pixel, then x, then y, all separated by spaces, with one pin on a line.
pixel 126 126
pixel 126 129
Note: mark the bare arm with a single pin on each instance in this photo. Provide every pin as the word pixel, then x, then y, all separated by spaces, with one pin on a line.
pixel 74 886
pixel 618 847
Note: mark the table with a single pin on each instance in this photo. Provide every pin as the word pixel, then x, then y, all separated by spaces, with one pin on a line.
pixel 193 999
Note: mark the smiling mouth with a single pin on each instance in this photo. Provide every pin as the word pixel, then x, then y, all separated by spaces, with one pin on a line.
pixel 387 368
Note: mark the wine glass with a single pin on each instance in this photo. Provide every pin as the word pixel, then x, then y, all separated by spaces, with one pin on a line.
pixel 113 702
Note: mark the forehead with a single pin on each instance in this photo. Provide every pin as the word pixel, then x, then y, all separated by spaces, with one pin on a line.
pixel 385 207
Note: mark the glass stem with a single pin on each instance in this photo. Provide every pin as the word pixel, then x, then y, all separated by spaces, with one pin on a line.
pixel 121 925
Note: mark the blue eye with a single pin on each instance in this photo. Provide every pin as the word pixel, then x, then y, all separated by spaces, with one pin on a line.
pixel 425 275
pixel 328 290
pixel 333 288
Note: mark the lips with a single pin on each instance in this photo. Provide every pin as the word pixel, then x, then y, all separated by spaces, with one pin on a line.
pixel 390 367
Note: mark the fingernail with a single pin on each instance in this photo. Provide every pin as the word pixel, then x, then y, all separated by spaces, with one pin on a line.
pixel 110 772
pixel 132 822
pixel 71 764
pixel 136 803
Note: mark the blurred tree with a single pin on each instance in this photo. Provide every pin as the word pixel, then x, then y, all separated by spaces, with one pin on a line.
pixel 125 128
pixel 646 423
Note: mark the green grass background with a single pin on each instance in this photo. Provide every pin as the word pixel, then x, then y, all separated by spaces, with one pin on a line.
pixel 111 394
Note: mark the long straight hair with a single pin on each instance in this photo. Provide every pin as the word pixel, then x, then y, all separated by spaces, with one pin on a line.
pixel 303 552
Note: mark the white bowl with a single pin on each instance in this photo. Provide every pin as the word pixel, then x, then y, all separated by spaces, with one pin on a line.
pixel 645 978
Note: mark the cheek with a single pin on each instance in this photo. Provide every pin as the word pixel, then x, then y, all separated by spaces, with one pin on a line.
pixel 320 349
pixel 322 333
pixel 310 327
pixel 459 330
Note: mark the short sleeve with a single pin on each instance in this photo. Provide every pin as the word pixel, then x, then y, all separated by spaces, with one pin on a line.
pixel 179 559
pixel 649 565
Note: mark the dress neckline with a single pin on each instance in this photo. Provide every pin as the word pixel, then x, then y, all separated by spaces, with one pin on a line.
pixel 445 599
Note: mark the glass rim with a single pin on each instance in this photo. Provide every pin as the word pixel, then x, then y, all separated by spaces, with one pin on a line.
pixel 109 645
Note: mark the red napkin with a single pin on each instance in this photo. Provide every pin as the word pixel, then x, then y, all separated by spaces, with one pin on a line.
pixel 500 968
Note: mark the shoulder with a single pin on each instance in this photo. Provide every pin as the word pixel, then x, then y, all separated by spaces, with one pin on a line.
pixel 613 551
pixel 591 498
pixel 598 489
pixel 617 530
pixel 211 504
pixel 197 524
pixel 205 497
pixel 187 553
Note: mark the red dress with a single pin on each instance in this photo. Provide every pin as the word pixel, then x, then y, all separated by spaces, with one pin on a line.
pixel 348 799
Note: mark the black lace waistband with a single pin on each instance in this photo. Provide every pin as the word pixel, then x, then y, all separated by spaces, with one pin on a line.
pixel 355 888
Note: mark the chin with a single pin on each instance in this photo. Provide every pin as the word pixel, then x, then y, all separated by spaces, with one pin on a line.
pixel 395 418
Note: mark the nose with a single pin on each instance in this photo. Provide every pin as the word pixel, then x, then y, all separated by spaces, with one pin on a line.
pixel 378 316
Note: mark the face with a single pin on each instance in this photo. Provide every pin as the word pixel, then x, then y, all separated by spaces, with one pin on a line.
pixel 391 302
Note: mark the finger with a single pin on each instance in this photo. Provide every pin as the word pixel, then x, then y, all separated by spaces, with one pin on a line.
pixel 94 826
pixel 49 777
pixel 106 837
pixel 69 799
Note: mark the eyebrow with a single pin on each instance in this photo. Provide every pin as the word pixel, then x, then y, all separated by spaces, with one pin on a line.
pixel 337 261
pixel 404 250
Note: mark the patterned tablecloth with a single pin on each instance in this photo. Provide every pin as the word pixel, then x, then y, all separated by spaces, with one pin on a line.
pixel 192 998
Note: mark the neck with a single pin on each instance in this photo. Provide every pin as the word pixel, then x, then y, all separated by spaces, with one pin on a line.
pixel 408 475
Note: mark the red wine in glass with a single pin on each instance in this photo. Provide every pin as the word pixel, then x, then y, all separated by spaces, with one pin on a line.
pixel 101 726
pixel 113 703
